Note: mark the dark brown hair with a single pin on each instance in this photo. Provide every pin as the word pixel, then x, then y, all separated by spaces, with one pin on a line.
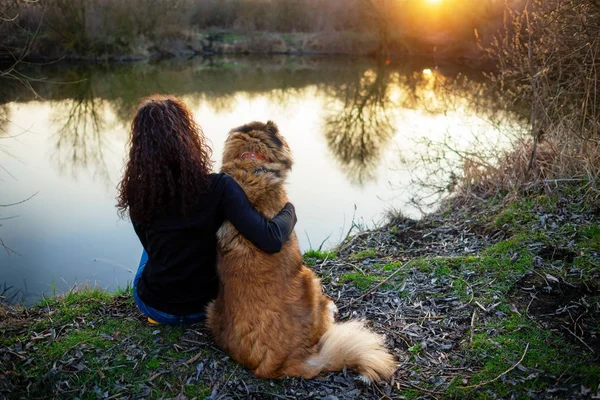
pixel 169 161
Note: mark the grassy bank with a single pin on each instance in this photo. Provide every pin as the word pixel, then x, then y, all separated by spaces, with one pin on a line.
pixel 495 299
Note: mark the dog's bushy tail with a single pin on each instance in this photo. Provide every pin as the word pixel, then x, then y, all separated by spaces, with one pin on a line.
pixel 352 345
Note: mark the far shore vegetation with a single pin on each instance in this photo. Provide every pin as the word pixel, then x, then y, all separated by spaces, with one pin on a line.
pixel 138 29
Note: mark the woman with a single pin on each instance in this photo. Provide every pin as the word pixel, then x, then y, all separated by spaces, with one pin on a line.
pixel 176 206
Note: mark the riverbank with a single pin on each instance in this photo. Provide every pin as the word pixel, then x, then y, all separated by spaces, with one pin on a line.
pixel 497 298
pixel 186 44
pixel 140 29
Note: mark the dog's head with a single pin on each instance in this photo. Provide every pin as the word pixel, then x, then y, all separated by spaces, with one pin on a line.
pixel 258 142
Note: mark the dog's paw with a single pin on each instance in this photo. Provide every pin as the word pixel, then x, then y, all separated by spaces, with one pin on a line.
pixel 364 380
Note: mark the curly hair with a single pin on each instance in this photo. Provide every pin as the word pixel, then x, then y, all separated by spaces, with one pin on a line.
pixel 169 161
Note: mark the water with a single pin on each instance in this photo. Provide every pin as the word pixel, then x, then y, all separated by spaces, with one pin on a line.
pixel 356 128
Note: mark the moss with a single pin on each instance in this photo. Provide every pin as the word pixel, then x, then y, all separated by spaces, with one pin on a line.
pixel 490 277
pixel 363 282
pixel 586 263
pixel 591 237
pixel 391 266
pixel 411 394
pixel 512 253
pixel 515 215
pixel 416 349
pixel 547 354
pixel 442 269
pixel 197 391
pixel 106 353
pixel 366 253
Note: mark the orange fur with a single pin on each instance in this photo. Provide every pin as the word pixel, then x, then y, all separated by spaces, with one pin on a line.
pixel 271 314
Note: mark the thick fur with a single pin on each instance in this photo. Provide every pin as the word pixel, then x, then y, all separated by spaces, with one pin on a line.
pixel 271 314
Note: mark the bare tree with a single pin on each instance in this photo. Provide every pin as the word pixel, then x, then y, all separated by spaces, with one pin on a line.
pixel 16 40
pixel 549 52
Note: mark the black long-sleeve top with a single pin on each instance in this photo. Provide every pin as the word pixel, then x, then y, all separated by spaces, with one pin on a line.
pixel 181 276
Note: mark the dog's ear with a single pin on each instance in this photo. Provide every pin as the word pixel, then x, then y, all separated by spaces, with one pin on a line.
pixel 273 132
pixel 276 139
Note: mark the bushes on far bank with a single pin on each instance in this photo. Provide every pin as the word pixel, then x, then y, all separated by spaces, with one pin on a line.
pixel 137 28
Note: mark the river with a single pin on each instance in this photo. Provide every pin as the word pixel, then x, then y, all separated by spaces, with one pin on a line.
pixel 361 132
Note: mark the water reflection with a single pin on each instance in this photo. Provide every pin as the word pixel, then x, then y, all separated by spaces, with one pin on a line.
pixel 4 114
pixel 357 133
pixel 81 131
pixel 362 101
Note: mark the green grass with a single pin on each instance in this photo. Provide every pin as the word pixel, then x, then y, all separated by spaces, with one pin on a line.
pixel 515 214
pixel 366 253
pixel 506 260
pixel 320 254
pixel 545 202
pixel 391 266
pixel 590 237
pixel 411 394
pixel 76 302
pixel 128 289
pixel 378 273
pixel 312 256
pixel 363 282
pixel 90 351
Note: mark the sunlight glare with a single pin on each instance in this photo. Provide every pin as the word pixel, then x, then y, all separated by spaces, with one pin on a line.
pixel 427 72
pixel 433 1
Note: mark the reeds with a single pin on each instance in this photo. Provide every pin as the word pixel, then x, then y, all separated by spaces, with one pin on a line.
pixel 548 55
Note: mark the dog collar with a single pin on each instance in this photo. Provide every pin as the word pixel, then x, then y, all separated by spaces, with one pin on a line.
pixel 252 155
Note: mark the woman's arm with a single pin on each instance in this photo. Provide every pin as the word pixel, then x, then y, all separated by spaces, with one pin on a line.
pixel 267 235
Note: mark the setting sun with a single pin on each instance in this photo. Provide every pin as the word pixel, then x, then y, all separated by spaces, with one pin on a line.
pixel 433 1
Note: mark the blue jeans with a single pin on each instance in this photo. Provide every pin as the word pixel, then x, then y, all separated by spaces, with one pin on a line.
pixel 159 316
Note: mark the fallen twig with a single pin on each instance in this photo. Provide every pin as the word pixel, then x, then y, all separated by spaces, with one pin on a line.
pixel 472 326
pixel 195 358
pixel 580 339
pixel 390 276
pixel 499 376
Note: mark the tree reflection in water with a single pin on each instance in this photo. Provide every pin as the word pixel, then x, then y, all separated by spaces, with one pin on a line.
pixel 4 119
pixel 364 101
pixel 357 133
pixel 4 110
pixel 80 139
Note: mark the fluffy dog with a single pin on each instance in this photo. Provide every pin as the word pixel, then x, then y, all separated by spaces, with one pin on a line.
pixel 270 314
